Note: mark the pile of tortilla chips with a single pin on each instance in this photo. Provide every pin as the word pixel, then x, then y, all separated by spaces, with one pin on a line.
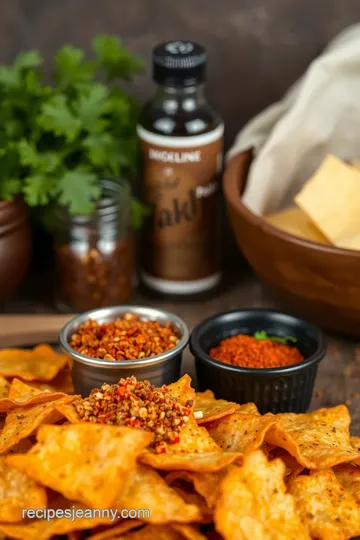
pixel 235 474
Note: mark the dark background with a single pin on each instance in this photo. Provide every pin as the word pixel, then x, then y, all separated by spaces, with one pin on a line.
pixel 257 48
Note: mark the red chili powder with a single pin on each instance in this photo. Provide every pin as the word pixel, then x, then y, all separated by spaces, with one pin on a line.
pixel 247 351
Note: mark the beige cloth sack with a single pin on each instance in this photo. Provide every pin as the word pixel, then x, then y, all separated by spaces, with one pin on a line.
pixel 320 114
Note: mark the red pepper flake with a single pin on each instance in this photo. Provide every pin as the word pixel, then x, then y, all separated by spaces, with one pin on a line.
pixel 247 351
pixel 137 404
pixel 129 338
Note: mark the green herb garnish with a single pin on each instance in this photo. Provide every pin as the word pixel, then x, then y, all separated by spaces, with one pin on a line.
pixel 284 340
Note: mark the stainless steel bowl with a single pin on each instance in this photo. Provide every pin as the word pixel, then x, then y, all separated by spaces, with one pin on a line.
pixel 89 373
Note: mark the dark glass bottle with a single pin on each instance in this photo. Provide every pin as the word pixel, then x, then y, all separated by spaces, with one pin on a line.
pixel 182 142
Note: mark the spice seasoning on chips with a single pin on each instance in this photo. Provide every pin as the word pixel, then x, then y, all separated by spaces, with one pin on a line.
pixel 137 404
pixel 128 338
pixel 248 351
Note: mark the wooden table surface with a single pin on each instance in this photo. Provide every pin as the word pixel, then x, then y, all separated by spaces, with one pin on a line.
pixel 338 379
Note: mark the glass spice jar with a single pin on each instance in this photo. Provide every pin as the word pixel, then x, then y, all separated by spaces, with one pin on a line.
pixel 95 254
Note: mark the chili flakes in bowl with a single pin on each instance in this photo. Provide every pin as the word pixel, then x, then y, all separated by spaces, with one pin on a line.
pixel 137 404
pixel 126 338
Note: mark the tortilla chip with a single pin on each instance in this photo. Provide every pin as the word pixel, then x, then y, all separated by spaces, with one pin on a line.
pixel 211 408
pixel 24 421
pixel 144 488
pixel 84 462
pixel 355 443
pixel 69 412
pixel 182 391
pixel 253 503
pixel 293 468
pixel 239 432
pixel 326 508
pixel 39 364
pixel 112 532
pixel 186 491
pixel 61 383
pixel 152 532
pixel 4 387
pixel 206 484
pixel 317 440
pixel 189 532
pixel 17 492
pixel 21 394
pixel 349 478
pixel 208 462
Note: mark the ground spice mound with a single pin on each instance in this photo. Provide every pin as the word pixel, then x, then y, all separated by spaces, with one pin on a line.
pixel 247 351
pixel 128 338
pixel 137 404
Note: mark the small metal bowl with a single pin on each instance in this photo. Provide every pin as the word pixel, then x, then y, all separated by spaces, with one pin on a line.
pixel 89 373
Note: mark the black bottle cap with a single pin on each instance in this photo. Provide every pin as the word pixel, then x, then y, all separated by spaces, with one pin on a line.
pixel 179 63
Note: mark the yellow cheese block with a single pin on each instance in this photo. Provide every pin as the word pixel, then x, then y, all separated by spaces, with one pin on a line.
pixel 295 221
pixel 331 200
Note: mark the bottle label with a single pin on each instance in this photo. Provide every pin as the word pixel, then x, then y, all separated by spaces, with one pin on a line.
pixel 181 186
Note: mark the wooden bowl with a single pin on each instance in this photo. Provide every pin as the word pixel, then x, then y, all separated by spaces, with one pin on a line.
pixel 320 282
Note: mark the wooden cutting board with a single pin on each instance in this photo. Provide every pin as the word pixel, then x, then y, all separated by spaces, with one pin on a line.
pixel 22 330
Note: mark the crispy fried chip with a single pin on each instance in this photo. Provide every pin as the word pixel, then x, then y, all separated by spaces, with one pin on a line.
pixel 39 364
pixel 317 440
pixel 160 532
pixel 144 488
pixel 69 412
pixel 24 421
pixel 253 503
pixel 117 530
pixel 4 387
pixel 208 462
pixel 206 484
pixel 189 495
pixel 21 393
pixel 61 383
pixel 325 507
pixel 17 492
pixel 85 462
pixel 349 478
pixel 189 532
pixel 211 408
pixel 293 468
pixel 182 391
pixel 239 432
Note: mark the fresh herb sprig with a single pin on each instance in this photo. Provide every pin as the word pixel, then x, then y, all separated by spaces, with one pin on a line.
pixel 57 141
pixel 284 340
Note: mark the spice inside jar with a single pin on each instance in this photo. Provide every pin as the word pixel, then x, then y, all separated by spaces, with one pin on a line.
pixel 137 404
pixel 248 351
pixel 127 338
pixel 95 254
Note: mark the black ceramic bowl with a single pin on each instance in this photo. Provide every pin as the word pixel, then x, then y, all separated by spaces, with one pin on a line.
pixel 284 389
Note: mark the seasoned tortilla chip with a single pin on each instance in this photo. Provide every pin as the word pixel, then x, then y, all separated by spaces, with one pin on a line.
pixel 84 462
pixel 182 391
pixel 317 440
pixel 144 488
pixel 21 394
pixel 349 478
pixel 113 532
pixel 17 492
pixel 69 412
pixel 206 484
pixel 39 364
pixel 61 383
pixel 4 387
pixel 190 496
pixel 208 462
pixel 326 508
pixel 239 432
pixel 156 532
pixel 208 408
pixel 24 421
pixel 293 468
pixel 253 503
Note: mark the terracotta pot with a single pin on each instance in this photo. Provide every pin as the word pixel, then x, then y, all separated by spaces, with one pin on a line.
pixel 15 246
pixel 318 281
